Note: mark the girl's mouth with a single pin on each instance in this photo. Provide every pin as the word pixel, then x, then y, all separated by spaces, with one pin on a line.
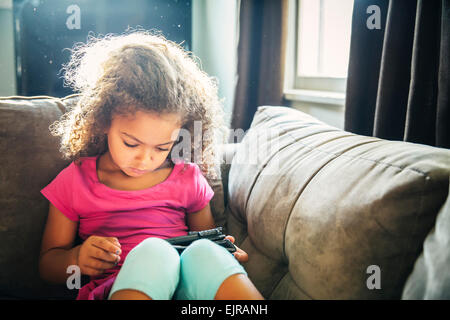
pixel 139 171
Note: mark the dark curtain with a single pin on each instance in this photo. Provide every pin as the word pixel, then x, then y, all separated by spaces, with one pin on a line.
pixel 398 79
pixel 261 48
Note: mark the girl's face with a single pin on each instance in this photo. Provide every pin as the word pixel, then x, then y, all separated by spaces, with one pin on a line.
pixel 141 143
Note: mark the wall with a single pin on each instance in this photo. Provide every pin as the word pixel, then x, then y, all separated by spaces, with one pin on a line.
pixel 7 67
pixel 330 114
pixel 214 41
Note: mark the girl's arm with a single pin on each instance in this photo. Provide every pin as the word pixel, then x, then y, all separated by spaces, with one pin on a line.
pixel 201 220
pixel 93 257
pixel 57 251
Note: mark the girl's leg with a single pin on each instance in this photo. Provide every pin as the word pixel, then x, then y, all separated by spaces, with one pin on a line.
pixel 238 287
pixel 209 271
pixel 129 294
pixel 150 271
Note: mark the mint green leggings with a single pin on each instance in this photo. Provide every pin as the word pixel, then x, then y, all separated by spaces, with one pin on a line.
pixel 155 268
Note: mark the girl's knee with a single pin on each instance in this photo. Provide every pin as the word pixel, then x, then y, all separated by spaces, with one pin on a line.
pixel 204 266
pixel 206 256
pixel 154 248
pixel 152 267
pixel 198 249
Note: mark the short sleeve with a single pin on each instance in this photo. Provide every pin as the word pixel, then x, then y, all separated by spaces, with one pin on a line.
pixel 59 192
pixel 201 191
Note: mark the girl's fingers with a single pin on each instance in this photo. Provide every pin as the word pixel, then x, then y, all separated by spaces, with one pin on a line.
pixel 104 255
pixel 107 245
pixel 231 238
pixel 114 240
pixel 241 255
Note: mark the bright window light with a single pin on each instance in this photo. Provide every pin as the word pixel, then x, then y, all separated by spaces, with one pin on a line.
pixel 324 29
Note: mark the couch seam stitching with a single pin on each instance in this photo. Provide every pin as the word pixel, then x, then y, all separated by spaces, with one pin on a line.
pixel 349 156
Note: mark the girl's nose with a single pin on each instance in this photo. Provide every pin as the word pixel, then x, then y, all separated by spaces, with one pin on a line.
pixel 145 158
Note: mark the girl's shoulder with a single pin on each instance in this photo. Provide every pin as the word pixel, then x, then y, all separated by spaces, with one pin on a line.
pixel 85 166
pixel 84 163
pixel 76 170
pixel 187 167
pixel 190 171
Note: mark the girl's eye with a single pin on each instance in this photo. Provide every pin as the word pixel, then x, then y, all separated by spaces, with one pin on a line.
pixel 135 145
pixel 130 145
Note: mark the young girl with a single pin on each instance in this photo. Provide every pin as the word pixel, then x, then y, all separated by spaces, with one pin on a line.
pixel 126 189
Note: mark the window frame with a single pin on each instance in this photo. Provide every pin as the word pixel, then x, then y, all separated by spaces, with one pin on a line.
pixel 323 90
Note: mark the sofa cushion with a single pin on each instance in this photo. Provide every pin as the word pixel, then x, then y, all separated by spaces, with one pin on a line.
pixel 430 278
pixel 30 160
pixel 315 207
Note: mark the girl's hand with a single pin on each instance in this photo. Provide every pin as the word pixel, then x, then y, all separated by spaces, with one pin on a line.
pixel 240 254
pixel 97 254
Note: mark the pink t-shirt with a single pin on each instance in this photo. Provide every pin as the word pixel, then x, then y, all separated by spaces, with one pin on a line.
pixel 130 216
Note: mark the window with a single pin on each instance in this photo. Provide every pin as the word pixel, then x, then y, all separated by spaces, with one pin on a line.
pixel 43 29
pixel 318 50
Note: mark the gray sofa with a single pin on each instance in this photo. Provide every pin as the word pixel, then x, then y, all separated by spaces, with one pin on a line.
pixel 323 213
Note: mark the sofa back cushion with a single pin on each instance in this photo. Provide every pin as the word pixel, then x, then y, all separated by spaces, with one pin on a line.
pixel 30 159
pixel 327 214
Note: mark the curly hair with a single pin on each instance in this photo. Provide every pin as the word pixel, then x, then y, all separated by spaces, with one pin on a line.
pixel 138 71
